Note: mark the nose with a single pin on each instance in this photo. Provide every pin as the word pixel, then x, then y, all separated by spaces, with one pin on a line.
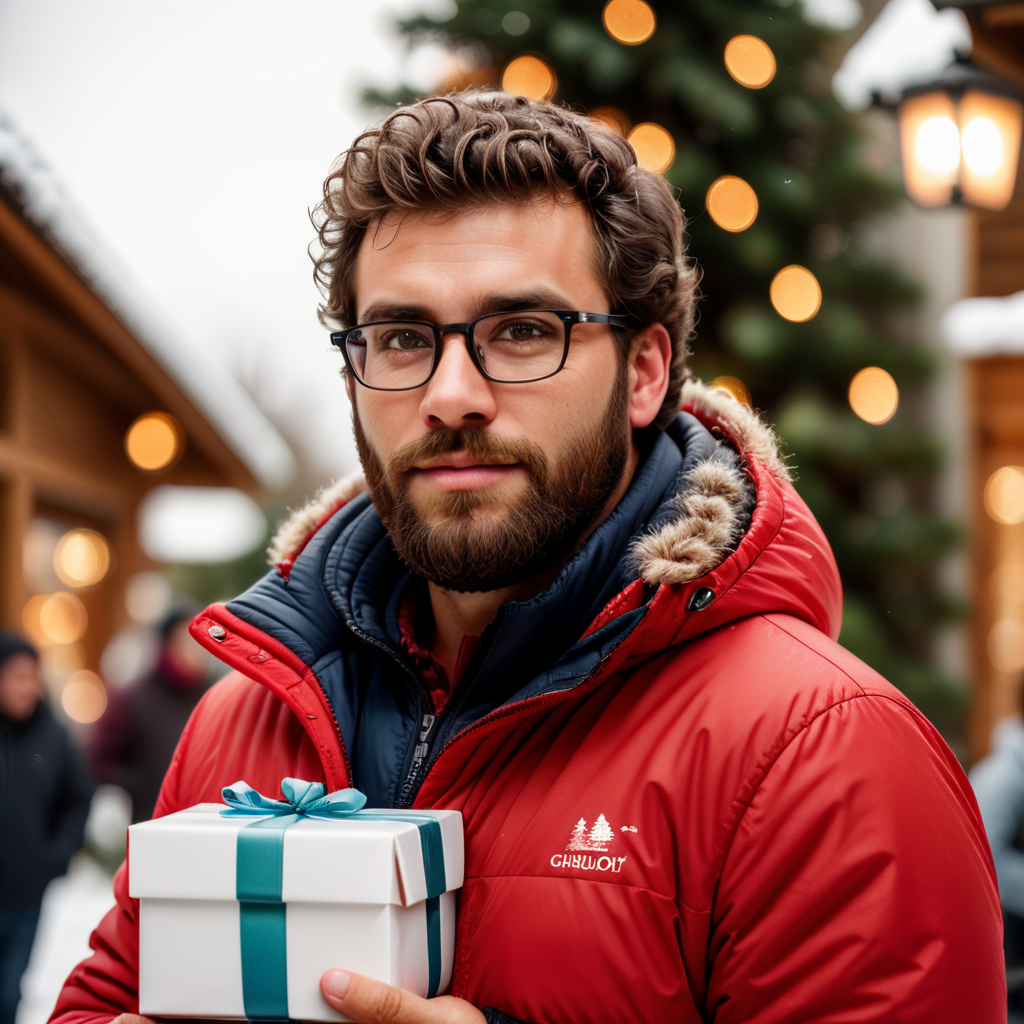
pixel 457 395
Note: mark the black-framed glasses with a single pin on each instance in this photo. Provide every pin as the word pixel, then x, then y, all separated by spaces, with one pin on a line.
pixel 507 348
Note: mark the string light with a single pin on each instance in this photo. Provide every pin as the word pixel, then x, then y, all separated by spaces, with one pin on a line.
pixel 1004 495
pixel 795 293
pixel 1006 645
pixel 629 21
pixel 732 203
pixel 733 386
pixel 873 395
pixel 612 118
pixel 530 77
pixel 84 697
pixel 750 61
pixel 154 441
pixel 654 147
pixel 81 558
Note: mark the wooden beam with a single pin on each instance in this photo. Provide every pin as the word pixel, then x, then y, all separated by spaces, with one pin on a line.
pixel 71 291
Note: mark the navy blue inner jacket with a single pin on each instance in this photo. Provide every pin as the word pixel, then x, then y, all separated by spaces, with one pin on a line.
pixel 338 611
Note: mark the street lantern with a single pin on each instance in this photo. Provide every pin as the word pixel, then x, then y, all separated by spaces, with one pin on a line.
pixel 960 138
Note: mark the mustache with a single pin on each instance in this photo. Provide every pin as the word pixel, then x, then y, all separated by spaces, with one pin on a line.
pixel 475 441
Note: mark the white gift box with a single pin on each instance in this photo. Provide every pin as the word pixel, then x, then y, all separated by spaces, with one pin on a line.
pixel 353 893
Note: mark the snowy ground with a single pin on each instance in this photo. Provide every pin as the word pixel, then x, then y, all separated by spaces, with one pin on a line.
pixel 72 907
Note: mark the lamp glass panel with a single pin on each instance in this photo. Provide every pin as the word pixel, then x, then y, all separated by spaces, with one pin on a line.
pixel 990 133
pixel 930 147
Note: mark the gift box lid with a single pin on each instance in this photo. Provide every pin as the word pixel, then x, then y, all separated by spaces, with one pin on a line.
pixel 192 854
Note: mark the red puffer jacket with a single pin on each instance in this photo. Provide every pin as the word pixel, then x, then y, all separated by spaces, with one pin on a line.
pixel 731 819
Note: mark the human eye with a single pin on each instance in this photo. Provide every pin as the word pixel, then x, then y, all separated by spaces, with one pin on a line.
pixel 522 330
pixel 403 338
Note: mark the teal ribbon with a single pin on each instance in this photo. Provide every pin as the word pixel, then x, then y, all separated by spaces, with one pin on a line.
pixel 259 866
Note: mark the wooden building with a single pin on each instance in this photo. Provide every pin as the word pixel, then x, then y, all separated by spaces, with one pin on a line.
pixel 73 380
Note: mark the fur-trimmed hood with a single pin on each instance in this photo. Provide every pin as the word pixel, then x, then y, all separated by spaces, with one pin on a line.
pixel 713 506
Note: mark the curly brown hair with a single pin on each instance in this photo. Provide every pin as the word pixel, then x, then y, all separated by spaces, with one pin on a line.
pixel 483 148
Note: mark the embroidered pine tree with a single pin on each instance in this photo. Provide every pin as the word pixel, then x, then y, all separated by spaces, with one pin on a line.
pixel 578 839
pixel 600 834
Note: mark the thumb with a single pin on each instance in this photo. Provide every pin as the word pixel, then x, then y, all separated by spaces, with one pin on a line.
pixel 373 1002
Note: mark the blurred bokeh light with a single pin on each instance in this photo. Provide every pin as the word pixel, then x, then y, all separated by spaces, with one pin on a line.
pixel 58 618
pixel 750 61
pixel 154 441
pixel 734 386
pixel 732 203
pixel 1004 495
pixel 613 118
pixel 529 76
pixel 873 395
pixel 81 558
pixel 1006 645
pixel 795 293
pixel 629 21
pixel 84 697
pixel 654 147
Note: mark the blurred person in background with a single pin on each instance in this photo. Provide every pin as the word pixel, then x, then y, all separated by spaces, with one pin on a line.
pixel 45 791
pixel 998 781
pixel 132 744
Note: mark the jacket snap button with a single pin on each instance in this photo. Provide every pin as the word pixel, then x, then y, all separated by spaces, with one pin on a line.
pixel 259 657
pixel 700 599
pixel 217 632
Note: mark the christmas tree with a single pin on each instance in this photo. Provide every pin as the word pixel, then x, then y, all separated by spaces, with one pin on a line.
pixel 578 839
pixel 774 176
pixel 600 834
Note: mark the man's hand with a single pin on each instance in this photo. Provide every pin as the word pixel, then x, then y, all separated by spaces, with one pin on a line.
pixel 372 1002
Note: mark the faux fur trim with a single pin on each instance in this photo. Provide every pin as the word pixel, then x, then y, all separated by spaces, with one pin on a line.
pixel 752 435
pixel 714 502
pixel 294 533
pixel 714 505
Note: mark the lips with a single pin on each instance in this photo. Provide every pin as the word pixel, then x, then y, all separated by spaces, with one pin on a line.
pixel 468 475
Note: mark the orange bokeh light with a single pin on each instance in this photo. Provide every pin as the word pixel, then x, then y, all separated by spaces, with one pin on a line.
pixel 612 118
pixel 750 61
pixel 873 395
pixel 654 147
pixel 795 293
pixel 530 77
pixel 733 386
pixel 732 203
pixel 1004 495
pixel 629 21
pixel 154 441
pixel 84 697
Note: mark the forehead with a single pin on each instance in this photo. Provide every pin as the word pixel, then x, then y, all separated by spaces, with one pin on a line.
pixel 450 263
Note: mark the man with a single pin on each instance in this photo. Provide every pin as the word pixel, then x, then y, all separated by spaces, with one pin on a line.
pixel 44 801
pixel 132 744
pixel 602 631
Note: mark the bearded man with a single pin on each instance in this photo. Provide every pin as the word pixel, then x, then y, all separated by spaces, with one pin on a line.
pixel 601 628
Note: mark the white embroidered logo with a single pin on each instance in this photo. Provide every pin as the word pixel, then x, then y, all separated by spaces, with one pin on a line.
pixel 597 839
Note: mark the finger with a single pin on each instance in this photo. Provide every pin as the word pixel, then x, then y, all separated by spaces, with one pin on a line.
pixel 131 1018
pixel 373 1002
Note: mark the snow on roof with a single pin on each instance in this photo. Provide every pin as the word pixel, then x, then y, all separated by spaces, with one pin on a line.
pixel 985 327
pixel 909 43
pixel 204 378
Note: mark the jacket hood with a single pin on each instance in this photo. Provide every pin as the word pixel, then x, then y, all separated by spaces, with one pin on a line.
pixel 734 524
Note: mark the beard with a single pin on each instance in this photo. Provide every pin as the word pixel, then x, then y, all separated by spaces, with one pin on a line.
pixel 457 542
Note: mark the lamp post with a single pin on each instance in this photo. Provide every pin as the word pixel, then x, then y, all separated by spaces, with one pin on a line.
pixel 960 138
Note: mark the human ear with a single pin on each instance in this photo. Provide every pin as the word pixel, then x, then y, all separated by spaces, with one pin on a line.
pixel 650 361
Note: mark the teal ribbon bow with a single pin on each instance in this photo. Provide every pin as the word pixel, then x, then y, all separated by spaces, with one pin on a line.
pixel 259 868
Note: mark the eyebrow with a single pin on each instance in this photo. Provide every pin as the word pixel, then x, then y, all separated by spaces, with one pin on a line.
pixel 541 299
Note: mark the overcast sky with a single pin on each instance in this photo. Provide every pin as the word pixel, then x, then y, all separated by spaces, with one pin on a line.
pixel 194 136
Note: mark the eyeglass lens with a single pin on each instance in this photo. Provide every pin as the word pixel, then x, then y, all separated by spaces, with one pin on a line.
pixel 509 346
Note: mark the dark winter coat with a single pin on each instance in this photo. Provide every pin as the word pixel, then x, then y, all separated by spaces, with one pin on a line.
pixel 132 744
pixel 773 833
pixel 45 791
